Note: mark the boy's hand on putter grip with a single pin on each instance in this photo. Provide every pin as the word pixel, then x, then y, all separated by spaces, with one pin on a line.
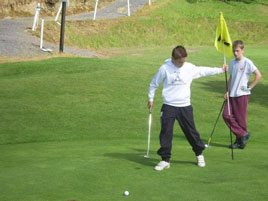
pixel 150 105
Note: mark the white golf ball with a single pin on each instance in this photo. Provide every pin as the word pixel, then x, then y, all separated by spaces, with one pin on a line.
pixel 206 145
pixel 126 193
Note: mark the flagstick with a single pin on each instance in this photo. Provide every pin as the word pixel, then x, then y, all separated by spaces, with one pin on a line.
pixel 228 101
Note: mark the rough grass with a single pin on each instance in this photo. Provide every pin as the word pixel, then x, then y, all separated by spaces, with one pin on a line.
pixel 26 8
pixel 167 22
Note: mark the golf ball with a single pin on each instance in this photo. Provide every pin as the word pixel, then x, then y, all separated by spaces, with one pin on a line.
pixel 126 193
pixel 206 145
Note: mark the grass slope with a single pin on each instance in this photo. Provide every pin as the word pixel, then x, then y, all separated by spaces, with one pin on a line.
pixel 76 129
pixel 167 22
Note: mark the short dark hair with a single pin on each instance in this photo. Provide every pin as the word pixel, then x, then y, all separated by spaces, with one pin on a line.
pixel 238 43
pixel 179 52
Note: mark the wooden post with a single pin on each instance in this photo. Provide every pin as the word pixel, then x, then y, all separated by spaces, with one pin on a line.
pixel 62 24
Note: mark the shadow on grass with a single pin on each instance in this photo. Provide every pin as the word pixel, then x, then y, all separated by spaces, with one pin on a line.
pixel 212 144
pixel 205 141
pixel 138 157
pixel 259 93
pixel 134 157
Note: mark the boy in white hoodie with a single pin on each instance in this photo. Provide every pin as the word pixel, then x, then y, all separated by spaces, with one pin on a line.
pixel 177 75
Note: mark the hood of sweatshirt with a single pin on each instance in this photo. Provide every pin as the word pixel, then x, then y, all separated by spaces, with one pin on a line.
pixel 169 62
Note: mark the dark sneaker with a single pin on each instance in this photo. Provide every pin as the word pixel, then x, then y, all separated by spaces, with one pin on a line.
pixel 244 140
pixel 236 145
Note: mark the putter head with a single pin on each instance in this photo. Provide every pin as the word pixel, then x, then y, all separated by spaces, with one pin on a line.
pixel 146 156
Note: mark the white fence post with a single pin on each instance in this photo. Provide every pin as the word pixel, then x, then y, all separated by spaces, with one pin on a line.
pixel 36 16
pixel 41 34
pixel 58 13
pixel 150 2
pixel 95 11
pixel 128 8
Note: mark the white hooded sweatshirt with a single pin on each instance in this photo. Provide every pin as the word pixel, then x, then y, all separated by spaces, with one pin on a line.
pixel 177 81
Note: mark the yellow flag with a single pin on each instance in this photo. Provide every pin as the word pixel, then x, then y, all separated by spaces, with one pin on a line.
pixel 223 41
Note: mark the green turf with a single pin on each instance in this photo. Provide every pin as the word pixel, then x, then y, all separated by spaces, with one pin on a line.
pixel 76 129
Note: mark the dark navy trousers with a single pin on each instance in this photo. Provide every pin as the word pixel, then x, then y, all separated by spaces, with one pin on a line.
pixel 184 116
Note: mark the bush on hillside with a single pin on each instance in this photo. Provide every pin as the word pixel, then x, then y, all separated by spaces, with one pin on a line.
pixel 244 1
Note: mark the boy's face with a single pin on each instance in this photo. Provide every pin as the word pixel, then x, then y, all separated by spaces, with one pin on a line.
pixel 179 62
pixel 238 52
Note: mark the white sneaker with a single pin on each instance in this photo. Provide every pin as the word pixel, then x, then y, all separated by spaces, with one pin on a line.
pixel 162 165
pixel 201 161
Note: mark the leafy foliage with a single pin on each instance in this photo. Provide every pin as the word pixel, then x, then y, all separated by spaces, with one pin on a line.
pixel 244 1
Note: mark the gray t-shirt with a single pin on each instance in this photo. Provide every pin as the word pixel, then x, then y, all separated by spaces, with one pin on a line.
pixel 240 71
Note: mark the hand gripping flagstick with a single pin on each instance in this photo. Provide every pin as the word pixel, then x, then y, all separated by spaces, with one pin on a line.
pixel 149 132
pixel 223 44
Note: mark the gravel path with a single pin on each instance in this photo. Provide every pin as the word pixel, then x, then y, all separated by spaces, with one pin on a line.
pixel 15 41
pixel 113 10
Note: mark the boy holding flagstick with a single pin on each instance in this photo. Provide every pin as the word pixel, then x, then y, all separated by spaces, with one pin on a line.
pixel 235 111
pixel 238 92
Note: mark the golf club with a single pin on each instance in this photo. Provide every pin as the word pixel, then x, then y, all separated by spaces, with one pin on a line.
pixel 149 133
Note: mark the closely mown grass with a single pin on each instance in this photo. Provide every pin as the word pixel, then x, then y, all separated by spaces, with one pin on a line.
pixel 167 22
pixel 76 129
